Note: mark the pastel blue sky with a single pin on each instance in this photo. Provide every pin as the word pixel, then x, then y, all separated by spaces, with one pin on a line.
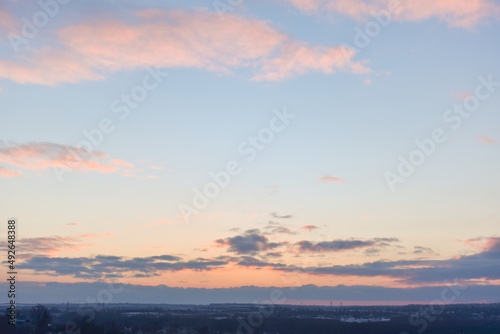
pixel 114 121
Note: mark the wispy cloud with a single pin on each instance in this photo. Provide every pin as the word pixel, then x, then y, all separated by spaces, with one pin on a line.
pixel 274 254
pixel 273 189
pixel 72 224
pixel 103 266
pixel 176 39
pixel 44 155
pixel 121 163
pixel 343 245
pixel 277 216
pixel 456 13
pixel 272 230
pixel 55 244
pixel 328 178
pixel 309 227
pixel 249 261
pixel 4 172
pixel 155 167
pixel 300 58
pixel 487 140
pixel 423 250
pixel 461 96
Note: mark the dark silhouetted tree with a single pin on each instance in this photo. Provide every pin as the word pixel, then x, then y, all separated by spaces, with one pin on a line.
pixel 41 318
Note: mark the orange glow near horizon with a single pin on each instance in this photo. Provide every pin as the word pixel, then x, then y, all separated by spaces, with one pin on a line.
pixel 236 277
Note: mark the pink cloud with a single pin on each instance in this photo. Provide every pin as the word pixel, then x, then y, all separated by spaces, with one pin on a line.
pixel 39 68
pixel 155 167
pixel 483 243
pixel 121 163
pixel 306 5
pixel 300 58
pixel 354 8
pixel 492 244
pixel 456 13
pixel 176 39
pixel 461 96
pixel 44 155
pixel 72 224
pixel 4 172
pixel 486 140
pixel 309 227
pixel 328 178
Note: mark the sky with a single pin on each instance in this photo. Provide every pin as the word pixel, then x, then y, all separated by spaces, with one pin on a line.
pixel 332 149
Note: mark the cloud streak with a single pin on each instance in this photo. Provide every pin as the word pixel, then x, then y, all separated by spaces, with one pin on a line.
pixel 486 140
pixel 176 39
pixel 328 178
pixel 309 227
pixel 455 13
pixel 342 245
pixel 277 216
pixel 45 155
pixel 54 244
pixel 4 172
pixel 275 228
pixel 115 266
